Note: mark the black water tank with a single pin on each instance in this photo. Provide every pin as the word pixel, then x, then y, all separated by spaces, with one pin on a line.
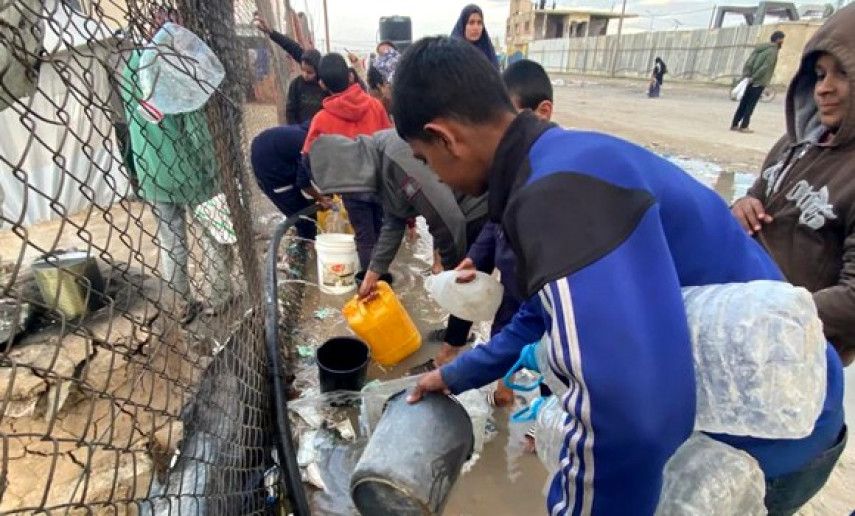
pixel 398 29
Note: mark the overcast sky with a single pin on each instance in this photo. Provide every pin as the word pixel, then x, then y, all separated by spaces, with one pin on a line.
pixel 353 23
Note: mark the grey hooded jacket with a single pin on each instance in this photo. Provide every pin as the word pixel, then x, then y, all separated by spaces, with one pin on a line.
pixel 384 164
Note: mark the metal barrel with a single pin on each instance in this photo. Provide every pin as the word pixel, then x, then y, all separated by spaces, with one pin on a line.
pixel 413 458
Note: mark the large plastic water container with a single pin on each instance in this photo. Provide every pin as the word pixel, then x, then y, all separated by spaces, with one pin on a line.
pixel 759 356
pixel 476 300
pixel 705 477
pixel 178 72
pixel 383 322
pixel 338 263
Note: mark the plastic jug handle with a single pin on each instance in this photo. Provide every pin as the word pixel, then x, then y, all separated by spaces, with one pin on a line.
pixel 508 379
pixel 529 413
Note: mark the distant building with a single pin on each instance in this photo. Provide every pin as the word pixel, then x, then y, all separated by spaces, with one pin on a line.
pixel 529 21
pixel 756 14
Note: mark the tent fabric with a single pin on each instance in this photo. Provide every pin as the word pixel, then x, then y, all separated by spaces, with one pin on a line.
pixel 59 153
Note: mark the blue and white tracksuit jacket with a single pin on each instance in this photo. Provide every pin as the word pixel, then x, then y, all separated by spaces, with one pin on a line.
pixel 606 234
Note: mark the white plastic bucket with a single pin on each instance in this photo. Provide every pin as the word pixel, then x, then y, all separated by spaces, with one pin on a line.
pixel 337 263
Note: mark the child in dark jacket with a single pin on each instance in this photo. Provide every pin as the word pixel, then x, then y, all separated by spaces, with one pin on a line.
pixel 305 93
pixel 349 111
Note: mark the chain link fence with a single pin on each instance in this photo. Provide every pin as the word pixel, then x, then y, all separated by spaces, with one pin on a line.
pixel 133 372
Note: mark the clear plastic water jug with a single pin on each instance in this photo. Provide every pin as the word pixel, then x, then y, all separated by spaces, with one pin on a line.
pixel 476 300
pixel 759 356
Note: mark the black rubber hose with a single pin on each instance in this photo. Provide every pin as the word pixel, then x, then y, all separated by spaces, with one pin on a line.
pixel 293 484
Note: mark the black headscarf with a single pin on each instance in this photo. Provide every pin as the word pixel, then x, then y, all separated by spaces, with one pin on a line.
pixel 484 44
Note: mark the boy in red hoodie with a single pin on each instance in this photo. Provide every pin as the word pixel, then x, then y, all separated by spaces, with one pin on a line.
pixel 348 111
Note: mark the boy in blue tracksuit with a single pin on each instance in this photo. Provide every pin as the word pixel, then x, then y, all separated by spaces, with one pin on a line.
pixel 605 235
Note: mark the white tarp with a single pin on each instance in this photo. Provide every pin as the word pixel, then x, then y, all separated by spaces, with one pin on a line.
pixel 60 141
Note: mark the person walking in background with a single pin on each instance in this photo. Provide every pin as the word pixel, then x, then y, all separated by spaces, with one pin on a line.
pixel 348 111
pixel 657 78
pixel 758 69
pixel 470 27
pixel 802 207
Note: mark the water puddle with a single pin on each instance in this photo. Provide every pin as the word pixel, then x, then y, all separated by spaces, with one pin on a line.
pixel 502 477
pixel 731 185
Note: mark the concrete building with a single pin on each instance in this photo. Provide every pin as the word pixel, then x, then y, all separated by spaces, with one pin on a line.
pixel 529 21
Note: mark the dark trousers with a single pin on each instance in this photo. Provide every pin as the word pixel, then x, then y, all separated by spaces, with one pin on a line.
pixel 366 217
pixel 746 106
pixel 786 494
pixel 653 90
pixel 275 157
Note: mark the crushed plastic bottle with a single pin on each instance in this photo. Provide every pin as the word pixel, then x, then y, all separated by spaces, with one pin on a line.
pixel 476 300
pixel 759 356
pixel 178 72
pixel 705 477
pixel 549 433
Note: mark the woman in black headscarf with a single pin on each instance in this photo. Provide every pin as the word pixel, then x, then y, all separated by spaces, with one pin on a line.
pixel 470 26
pixel 656 79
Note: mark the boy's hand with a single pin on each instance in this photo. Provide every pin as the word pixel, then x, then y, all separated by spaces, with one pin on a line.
pixel 325 202
pixel 465 271
pixel 430 382
pixel 353 58
pixel 368 288
pixel 261 24
pixel 750 214
pixel 437 263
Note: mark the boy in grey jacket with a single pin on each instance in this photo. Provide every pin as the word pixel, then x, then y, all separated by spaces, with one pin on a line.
pixel 383 164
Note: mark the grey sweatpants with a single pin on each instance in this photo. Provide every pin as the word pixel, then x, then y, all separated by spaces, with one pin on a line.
pixel 174 251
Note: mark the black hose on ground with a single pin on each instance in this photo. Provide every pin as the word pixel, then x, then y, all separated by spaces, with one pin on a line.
pixel 293 484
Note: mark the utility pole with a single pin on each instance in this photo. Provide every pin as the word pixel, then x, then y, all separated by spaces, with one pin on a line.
pixel 617 42
pixel 712 16
pixel 327 26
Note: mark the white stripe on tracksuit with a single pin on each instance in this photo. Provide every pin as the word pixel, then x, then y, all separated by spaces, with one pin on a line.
pixel 566 361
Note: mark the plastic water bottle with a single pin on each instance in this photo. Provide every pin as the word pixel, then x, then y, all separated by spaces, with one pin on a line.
pixel 705 477
pixel 476 300
pixel 178 72
pixel 549 433
pixel 759 357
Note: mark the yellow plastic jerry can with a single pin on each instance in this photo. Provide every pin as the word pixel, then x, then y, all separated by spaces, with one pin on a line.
pixel 385 325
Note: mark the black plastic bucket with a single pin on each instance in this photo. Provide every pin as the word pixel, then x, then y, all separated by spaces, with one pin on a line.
pixel 342 364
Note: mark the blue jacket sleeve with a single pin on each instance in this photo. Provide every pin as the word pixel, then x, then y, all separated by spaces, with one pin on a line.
pixel 482 252
pixel 491 361
pixel 619 337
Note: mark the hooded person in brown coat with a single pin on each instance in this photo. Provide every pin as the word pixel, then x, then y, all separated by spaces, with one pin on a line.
pixel 802 208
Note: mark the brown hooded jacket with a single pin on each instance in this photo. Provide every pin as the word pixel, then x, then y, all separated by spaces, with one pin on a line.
pixel 809 189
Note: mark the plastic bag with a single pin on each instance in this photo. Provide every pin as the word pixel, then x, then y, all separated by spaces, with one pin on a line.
pixel 705 477
pixel 178 73
pixel 739 90
pixel 477 300
pixel 759 356
pixel 215 216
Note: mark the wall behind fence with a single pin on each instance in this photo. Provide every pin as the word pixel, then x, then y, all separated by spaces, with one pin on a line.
pixel 696 55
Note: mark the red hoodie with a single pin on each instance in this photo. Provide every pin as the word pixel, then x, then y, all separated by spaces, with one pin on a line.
pixel 350 113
